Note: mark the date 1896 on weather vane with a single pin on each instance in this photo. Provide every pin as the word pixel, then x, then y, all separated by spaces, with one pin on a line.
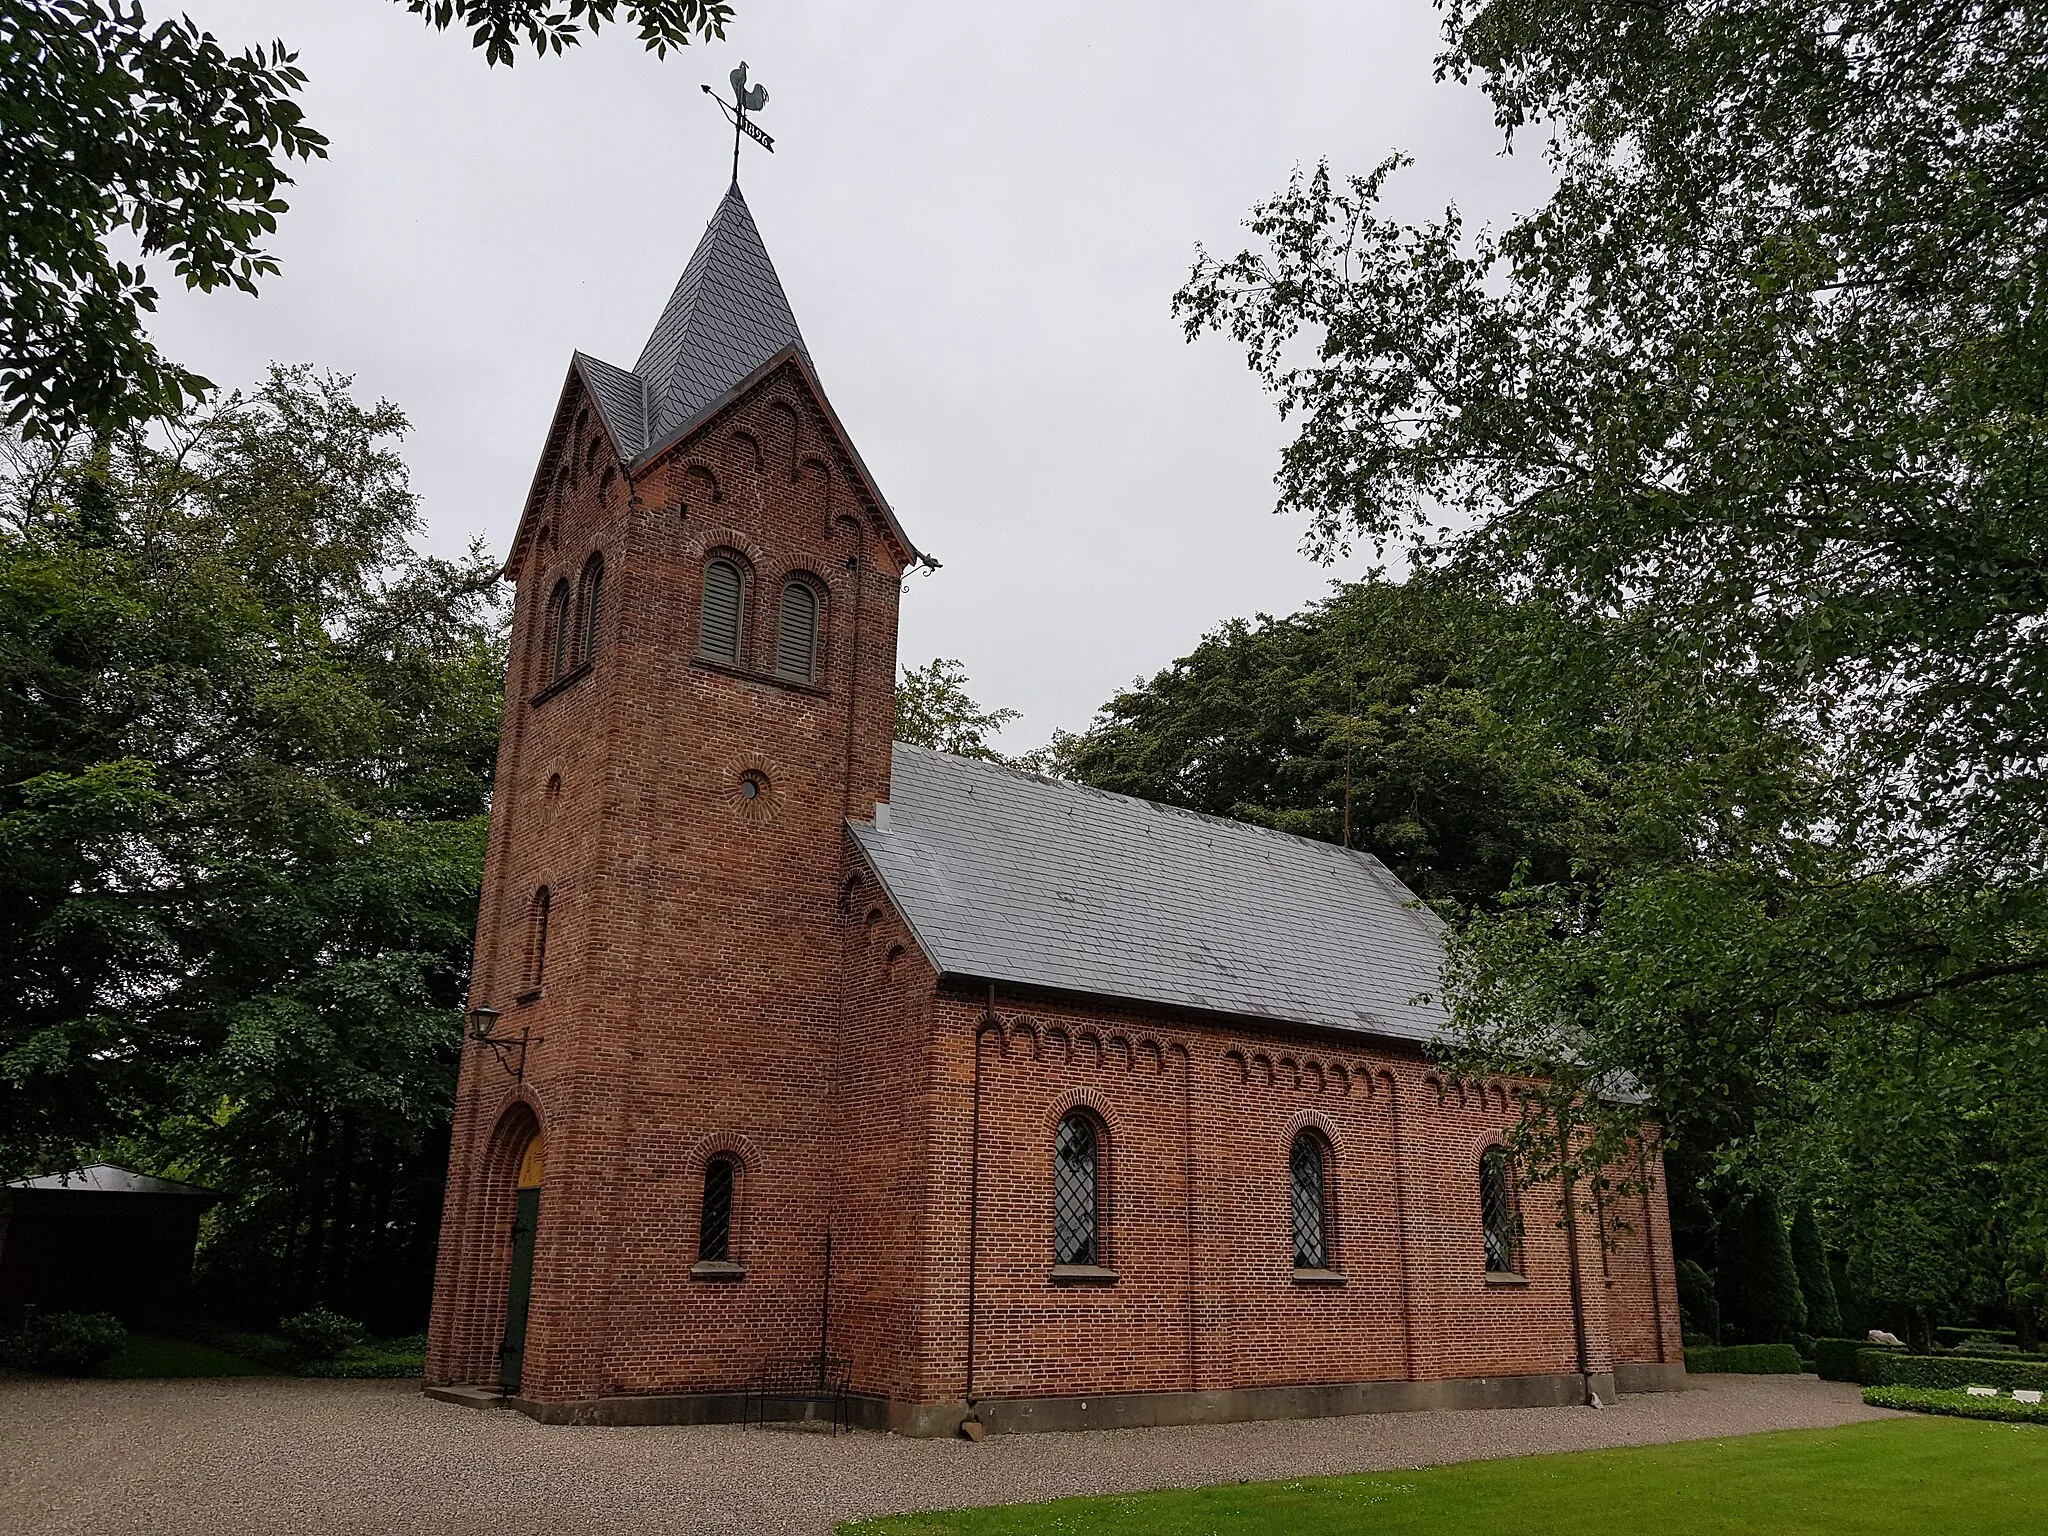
pixel 746 99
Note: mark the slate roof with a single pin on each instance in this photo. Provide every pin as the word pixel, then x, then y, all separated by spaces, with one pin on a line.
pixel 622 401
pixel 726 318
pixel 111 1179
pixel 1010 877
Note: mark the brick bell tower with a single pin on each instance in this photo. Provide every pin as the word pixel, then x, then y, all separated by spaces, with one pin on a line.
pixel 700 693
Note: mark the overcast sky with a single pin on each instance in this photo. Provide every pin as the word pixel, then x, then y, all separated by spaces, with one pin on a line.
pixel 980 214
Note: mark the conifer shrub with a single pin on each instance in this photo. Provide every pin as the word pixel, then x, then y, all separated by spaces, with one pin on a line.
pixel 1810 1264
pixel 1757 1285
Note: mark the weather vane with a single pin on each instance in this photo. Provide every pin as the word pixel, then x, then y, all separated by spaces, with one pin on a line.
pixel 745 98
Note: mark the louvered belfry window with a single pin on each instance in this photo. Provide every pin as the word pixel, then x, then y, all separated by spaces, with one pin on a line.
pixel 796 636
pixel 714 1224
pixel 1497 1210
pixel 1305 1168
pixel 1075 1163
pixel 718 628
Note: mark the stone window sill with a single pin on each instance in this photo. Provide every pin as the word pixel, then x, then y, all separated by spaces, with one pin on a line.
pixel 717 1269
pixel 568 679
pixel 1082 1274
pixel 531 996
pixel 1319 1277
pixel 1496 1277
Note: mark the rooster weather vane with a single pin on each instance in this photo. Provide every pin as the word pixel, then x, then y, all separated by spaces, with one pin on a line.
pixel 745 99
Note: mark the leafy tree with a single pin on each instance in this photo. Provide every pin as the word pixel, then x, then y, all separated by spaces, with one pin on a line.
pixel 498 27
pixel 152 136
pixel 935 710
pixel 245 763
pixel 1810 1260
pixel 1383 716
pixel 1755 398
pixel 130 143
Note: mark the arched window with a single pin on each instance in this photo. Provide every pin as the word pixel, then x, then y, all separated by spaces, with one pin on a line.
pixel 718 627
pixel 1310 1207
pixel 714 1221
pixel 590 606
pixel 796 634
pixel 559 632
pixel 1076 1185
pixel 537 938
pixel 1500 1213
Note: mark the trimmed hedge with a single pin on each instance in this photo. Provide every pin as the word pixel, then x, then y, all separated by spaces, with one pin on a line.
pixel 1959 1405
pixel 1835 1359
pixel 1745 1360
pixel 1890 1368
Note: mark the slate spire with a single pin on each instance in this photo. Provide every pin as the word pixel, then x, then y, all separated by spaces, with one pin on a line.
pixel 727 316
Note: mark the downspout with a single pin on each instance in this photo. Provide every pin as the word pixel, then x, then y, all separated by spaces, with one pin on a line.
pixel 982 1026
pixel 1401 1224
pixel 1650 1249
pixel 1571 1236
pixel 1187 1143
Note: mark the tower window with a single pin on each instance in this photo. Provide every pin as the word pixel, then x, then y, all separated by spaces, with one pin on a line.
pixel 1311 1211
pixel 1076 1187
pixel 718 627
pixel 590 606
pixel 559 631
pixel 1499 1212
pixel 714 1222
pixel 796 635
pixel 537 939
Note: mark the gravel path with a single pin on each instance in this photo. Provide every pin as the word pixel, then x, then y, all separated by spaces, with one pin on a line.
pixel 281 1455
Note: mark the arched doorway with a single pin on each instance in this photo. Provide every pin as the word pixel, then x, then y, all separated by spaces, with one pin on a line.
pixel 519 1285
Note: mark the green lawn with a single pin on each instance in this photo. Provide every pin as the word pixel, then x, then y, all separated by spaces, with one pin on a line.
pixel 1916 1475
pixel 155 1354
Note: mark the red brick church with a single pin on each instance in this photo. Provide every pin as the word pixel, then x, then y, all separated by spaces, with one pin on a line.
pixel 1005 1097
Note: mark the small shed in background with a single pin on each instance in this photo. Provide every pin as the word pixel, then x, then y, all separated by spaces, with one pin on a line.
pixel 98 1239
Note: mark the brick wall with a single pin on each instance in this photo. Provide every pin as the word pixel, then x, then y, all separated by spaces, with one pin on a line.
pixel 724 976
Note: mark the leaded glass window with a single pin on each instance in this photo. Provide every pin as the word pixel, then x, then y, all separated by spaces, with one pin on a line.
pixel 714 1225
pixel 1311 1241
pixel 1076 1168
pixel 1498 1212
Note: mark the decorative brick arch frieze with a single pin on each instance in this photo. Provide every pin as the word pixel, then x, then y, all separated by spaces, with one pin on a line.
pixel 781 441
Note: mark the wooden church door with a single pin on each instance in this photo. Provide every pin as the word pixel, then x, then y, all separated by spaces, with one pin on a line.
pixel 519 1286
